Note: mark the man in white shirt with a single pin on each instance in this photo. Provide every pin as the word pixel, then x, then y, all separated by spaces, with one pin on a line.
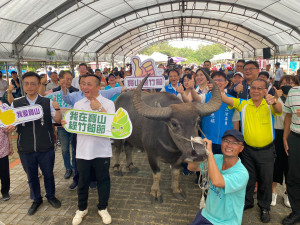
pixel 82 68
pixel 93 152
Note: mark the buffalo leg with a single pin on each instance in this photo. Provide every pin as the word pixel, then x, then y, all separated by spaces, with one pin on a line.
pixel 128 152
pixel 177 191
pixel 155 193
pixel 118 145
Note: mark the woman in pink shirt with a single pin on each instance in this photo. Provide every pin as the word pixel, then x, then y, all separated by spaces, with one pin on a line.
pixel 6 150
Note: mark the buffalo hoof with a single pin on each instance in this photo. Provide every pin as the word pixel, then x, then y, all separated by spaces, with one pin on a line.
pixel 117 170
pixel 159 199
pixel 179 196
pixel 133 169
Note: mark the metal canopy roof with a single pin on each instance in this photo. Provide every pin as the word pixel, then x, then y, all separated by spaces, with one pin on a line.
pixel 84 29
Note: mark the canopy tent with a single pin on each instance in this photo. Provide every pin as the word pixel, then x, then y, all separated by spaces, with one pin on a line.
pixel 94 30
pixel 222 56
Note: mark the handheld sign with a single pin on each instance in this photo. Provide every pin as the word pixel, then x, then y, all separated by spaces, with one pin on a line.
pixel 15 116
pixel 142 69
pixel 117 126
pixel 62 105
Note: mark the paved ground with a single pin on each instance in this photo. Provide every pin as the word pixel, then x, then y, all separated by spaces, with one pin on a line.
pixel 129 202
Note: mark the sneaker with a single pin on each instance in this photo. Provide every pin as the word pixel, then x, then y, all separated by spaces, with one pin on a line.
pixel 291 219
pixel 286 200
pixel 79 216
pixel 68 174
pixel 73 186
pixel 5 197
pixel 106 218
pixel 265 215
pixel 34 207
pixel 274 197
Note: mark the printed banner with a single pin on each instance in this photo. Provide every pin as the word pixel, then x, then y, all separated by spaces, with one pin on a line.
pixel 142 69
pixel 117 126
pixel 15 116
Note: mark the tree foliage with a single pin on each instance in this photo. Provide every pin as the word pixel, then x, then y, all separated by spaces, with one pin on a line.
pixel 204 52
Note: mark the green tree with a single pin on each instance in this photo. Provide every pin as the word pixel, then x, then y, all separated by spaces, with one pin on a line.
pixel 204 52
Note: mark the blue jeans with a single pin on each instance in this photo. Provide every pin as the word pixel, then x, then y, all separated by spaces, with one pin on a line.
pixel 65 138
pixel 30 163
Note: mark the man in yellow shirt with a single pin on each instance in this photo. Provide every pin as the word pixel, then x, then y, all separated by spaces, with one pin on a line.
pixel 257 120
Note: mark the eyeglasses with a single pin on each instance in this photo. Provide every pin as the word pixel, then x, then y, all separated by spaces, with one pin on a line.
pixel 257 88
pixel 287 83
pixel 249 69
pixel 30 84
pixel 218 80
pixel 232 142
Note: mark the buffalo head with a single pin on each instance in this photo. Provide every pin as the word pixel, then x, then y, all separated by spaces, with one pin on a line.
pixel 182 120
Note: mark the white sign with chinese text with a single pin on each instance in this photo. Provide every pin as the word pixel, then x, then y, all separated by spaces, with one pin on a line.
pixel 15 116
pixel 142 69
pixel 117 126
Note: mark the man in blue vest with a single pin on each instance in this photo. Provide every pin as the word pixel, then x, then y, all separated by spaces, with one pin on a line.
pixel 35 142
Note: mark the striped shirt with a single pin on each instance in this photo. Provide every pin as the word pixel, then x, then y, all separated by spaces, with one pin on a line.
pixel 292 103
pixel 257 122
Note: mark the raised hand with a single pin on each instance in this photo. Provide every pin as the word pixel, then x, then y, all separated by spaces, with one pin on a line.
pixel 10 88
pixel 180 88
pixel 270 99
pixel 55 104
pixel 278 93
pixel 95 104
pixel 44 80
pixel 210 86
pixel 239 88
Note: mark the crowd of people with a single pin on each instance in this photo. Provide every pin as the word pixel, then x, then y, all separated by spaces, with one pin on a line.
pixel 252 139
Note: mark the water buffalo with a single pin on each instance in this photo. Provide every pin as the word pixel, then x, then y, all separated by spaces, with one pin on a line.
pixel 163 126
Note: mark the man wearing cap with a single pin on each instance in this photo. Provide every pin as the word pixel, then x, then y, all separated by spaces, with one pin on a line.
pixel 257 119
pixel 291 141
pixel 228 181
pixel 238 77
pixel 278 74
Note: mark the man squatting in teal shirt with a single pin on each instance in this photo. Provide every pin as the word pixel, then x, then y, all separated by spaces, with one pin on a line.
pixel 228 181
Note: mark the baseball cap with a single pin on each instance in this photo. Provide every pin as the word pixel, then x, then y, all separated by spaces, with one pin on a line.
pixel 111 74
pixel 234 133
pixel 277 64
pixel 239 73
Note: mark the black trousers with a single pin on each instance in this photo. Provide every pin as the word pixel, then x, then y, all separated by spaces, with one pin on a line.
pixel 293 177
pixel 101 168
pixel 281 165
pixel 260 166
pixel 30 163
pixel 4 175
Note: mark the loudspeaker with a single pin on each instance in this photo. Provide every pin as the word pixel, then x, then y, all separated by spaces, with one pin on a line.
pixel 266 53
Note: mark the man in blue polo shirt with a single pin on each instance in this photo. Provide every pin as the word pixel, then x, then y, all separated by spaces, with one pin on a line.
pixel 228 181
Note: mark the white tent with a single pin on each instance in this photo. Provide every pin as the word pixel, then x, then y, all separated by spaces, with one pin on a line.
pixel 222 56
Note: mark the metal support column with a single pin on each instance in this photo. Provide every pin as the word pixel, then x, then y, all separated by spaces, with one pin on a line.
pixel 97 61
pixel 6 69
pixel 19 66
pixel 112 61
pixel 72 67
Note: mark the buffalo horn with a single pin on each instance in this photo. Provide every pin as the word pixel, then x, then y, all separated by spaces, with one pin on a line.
pixel 146 110
pixel 214 103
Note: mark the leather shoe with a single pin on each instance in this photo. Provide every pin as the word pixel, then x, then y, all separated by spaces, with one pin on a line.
pixel 34 207
pixel 68 174
pixel 54 202
pixel 73 186
pixel 248 207
pixel 291 219
pixel 265 215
